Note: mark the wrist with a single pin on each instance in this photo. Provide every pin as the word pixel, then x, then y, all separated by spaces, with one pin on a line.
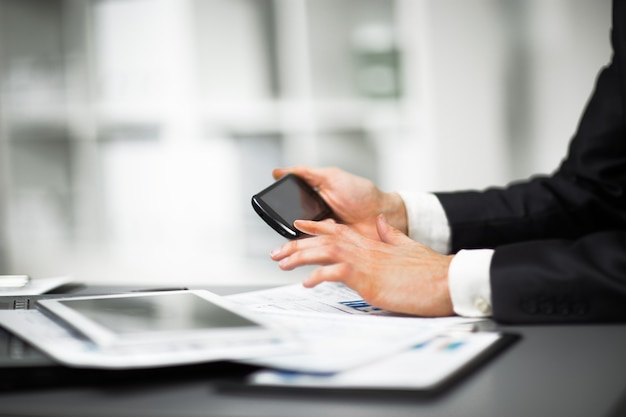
pixel 392 206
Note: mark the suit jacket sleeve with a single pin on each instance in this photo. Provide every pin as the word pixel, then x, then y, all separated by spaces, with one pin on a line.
pixel 560 240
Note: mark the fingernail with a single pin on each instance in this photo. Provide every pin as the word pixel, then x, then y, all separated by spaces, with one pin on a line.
pixel 299 223
pixel 275 252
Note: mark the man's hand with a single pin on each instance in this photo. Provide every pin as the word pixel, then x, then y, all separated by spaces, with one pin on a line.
pixel 355 201
pixel 391 272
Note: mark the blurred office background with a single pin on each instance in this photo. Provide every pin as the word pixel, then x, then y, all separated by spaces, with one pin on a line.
pixel 133 132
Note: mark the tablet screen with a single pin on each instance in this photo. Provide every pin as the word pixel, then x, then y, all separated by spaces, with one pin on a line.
pixel 157 313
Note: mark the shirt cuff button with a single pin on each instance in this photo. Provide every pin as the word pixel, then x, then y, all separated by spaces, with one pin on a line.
pixel 482 305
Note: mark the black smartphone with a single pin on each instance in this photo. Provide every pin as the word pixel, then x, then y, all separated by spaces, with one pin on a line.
pixel 289 199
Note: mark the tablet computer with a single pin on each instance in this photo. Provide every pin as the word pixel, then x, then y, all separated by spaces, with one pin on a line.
pixel 151 317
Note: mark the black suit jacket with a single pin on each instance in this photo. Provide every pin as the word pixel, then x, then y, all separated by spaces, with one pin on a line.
pixel 560 240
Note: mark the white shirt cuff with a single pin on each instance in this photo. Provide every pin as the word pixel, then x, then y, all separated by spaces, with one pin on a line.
pixel 468 279
pixel 426 220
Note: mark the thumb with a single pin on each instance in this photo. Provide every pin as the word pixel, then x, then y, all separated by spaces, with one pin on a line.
pixel 311 175
pixel 389 234
pixel 280 172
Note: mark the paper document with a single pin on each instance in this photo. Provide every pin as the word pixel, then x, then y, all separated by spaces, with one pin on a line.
pixel 425 366
pixel 338 329
pixel 328 297
pixel 331 344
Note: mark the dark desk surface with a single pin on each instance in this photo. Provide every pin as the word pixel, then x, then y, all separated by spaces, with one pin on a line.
pixel 552 371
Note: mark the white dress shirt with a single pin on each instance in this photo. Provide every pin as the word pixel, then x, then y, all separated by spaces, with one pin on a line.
pixel 468 276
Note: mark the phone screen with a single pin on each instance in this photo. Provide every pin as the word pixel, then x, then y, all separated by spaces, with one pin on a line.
pixel 293 201
pixel 287 200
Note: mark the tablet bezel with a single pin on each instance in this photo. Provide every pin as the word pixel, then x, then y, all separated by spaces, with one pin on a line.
pixel 104 336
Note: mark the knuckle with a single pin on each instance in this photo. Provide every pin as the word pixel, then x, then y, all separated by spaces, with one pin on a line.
pixel 345 270
pixel 292 246
pixel 342 229
pixel 332 251
pixel 318 275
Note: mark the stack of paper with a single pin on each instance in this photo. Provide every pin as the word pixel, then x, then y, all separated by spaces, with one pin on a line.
pixel 350 344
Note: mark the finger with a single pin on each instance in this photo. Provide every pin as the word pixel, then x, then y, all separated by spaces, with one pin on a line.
pixel 317 228
pixel 311 255
pixel 281 172
pixel 291 247
pixel 333 273
pixel 312 176
pixel 389 234
pixel 299 245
